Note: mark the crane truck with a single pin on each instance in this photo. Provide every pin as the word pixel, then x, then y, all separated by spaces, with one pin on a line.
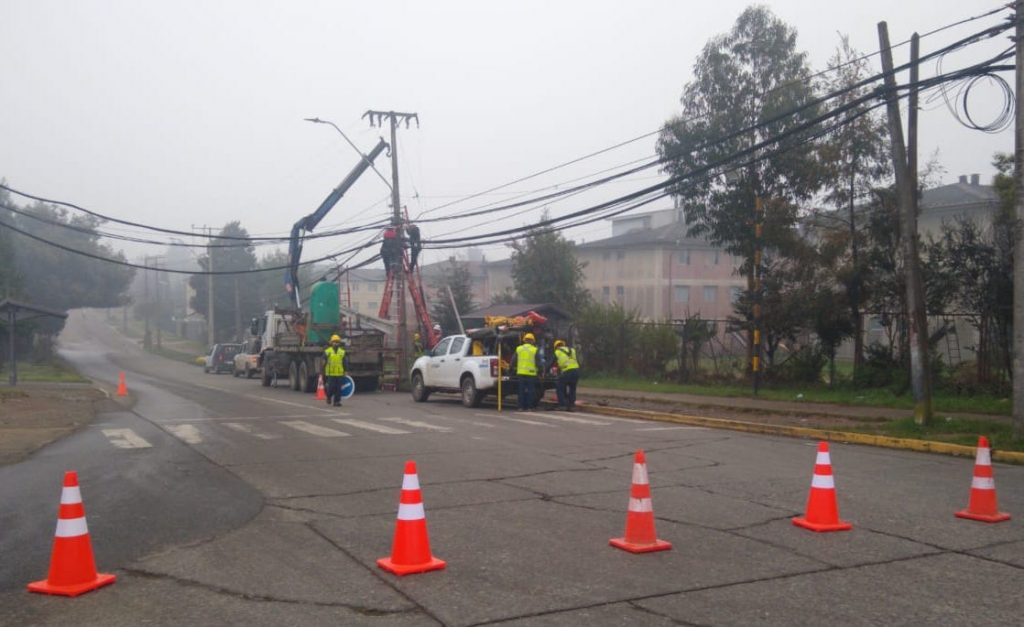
pixel 292 340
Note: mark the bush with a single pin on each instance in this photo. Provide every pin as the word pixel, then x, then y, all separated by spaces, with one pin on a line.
pixel 803 366
pixel 880 368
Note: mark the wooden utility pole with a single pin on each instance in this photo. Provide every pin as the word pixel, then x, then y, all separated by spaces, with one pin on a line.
pixel 917 320
pixel 376 119
pixel 159 303
pixel 1018 249
pixel 755 360
pixel 147 341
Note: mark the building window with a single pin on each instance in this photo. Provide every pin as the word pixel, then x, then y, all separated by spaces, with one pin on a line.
pixel 620 255
pixel 714 257
pixel 371 287
pixel 710 293
pixel 355 287
pixel 681 293
pixel 734 295
pixel 620 294
pixel 606 295
pixel 605 256
pixel 684 257
pixel 371 306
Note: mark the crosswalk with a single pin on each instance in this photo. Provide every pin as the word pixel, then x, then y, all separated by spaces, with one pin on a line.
pixel 206 431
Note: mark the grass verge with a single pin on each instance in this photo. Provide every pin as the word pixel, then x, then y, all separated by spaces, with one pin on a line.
pixel 55 371
pixel 882 397
pixel 952 430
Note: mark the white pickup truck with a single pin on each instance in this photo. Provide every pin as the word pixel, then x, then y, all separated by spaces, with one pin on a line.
pixel 450 367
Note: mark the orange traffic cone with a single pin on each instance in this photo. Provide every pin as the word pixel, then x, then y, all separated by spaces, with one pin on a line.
pixel 72 566
pixel 410 552
pixel 822 509
pixel 982 504
pixel 321 394
pixel 122 388
pixel 640 536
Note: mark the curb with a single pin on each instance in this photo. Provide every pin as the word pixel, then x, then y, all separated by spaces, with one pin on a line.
pixel 884 441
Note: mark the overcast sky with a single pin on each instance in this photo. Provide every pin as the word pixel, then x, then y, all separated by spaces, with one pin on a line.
pixel 191 113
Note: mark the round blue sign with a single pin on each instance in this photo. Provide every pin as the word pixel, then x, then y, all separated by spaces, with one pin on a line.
pixel 348 387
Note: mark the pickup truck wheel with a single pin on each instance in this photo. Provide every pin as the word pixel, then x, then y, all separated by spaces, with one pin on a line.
pixel 249 372
pixel 420 393
pixel 471 397
pixel 293 376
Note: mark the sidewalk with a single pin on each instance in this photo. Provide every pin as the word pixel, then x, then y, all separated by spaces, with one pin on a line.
pixel 751 406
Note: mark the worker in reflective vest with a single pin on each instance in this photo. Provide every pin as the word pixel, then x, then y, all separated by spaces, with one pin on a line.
pixel 525 364
pixel 335 362
pixel 568 375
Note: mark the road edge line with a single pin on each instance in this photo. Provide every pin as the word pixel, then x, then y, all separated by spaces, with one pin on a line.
pixel 849 437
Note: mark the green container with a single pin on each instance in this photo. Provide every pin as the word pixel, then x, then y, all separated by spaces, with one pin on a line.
pixel 324 315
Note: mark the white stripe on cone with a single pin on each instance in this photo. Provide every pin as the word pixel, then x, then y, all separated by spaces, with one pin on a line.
pixel 71 527
pixel 823 459
pixel 70 495
pixel 640 505
pixel 823 481
pixel 984 457
pixel 983 483
pixel 411 511
pixel 410 482
pixel 640 474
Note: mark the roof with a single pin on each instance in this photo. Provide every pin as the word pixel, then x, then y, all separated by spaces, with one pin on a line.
pixel 674 234
pixel 958 195
pixel 20 310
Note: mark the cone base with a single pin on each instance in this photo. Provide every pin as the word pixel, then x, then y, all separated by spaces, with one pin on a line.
pixel 122 392
pixel 658 545
pixel 44 587
pixel 840 525
pixel 410 569
pixel 989 518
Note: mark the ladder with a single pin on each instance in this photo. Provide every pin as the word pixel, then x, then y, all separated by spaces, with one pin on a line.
pixel 952 342
pixel 414 281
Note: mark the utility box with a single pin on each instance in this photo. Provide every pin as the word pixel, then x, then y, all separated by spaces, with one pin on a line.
pixel 324 313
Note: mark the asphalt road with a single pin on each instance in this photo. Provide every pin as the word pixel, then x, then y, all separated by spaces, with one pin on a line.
pixel 217 501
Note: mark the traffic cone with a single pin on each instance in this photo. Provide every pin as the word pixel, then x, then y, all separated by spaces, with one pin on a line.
pixel 72 566
pixel 982 504
pixel 640 536
pixel 822 509
pixel 122 388
pixel 321 394
pixel 410 552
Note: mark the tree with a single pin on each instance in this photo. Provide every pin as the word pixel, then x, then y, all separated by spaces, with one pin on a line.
pixel 606 333
pixel 545 270
pixel 456 277
pixel 235 297
pixel 744 79
pixel 855 161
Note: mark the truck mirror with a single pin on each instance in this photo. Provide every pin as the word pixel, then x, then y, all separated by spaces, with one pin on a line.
pixel 254 326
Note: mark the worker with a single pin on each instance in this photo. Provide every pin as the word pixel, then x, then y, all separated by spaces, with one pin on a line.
pixel 417 344
pixel 524 362
pixel 390 251
pixel 568 375
pixel 335 364
pixel 415 245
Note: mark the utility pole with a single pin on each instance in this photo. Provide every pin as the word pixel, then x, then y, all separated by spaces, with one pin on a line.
pixel 755 359
pixel 917 320
pixel 159 304
pixel 377 119
pixel 209 283
pixel 147 341
pixel 1018 249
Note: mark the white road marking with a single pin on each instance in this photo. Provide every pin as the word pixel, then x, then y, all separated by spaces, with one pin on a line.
pixel 125 438
pixel 306 407
pixel 670 428
pixel 187 433
pixel 370 426
pixel 528 422
pixel 312 429
pixel 418 423
pixel 248 430
pixel 582 421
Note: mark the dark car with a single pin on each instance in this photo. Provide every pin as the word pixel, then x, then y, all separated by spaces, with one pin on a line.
pixel 221 358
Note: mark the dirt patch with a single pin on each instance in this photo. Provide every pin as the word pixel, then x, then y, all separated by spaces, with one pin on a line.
pixel 31 418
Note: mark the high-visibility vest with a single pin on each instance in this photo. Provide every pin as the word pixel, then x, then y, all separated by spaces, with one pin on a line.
pixel 526 360
pixel 566 359
pixel 335 361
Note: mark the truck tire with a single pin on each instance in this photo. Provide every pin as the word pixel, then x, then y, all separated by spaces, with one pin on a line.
pixel 471 397
pixel 293 376
pixel 307 382
pixel 249 373
pixel 267 376
pixel 420 393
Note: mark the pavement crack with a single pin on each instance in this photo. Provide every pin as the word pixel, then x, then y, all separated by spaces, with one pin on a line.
pixel 675 621
pixel 263 598
pixel 376 573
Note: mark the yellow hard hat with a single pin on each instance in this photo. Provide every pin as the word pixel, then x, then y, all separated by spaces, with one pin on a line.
pixel 559 343
pixel 529 337
pixel 335 338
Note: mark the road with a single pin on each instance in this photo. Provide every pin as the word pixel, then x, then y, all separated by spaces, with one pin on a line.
pixel 217 501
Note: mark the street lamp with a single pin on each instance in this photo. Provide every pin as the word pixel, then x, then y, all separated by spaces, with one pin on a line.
pixel 342 133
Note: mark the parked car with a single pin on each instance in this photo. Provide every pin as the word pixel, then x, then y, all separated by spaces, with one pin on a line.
pixel 221 358
pixel 247 361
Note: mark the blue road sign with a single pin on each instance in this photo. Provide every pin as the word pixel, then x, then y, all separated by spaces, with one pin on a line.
pixel 348 387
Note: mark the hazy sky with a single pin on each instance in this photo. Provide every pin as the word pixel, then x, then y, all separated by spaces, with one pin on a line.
pixel 191 113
